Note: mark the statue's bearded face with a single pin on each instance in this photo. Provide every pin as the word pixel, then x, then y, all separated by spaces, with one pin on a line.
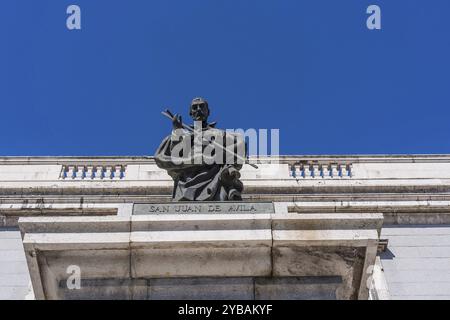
pixel 199 111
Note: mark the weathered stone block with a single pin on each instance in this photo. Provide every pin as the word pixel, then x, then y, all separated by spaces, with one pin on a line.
pixel 297 288
pixel 346 262
pixel 197 262
pixel 201 289
pixel 105 289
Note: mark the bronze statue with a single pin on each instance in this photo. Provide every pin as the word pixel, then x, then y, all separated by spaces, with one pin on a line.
pixel 212 174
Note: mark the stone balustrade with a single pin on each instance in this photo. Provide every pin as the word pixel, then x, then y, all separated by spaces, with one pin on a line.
pixel 296 175
pixel 91 172
pixel 321 170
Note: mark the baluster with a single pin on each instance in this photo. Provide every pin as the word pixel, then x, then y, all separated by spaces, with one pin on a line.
pixel 108 172
pixel 118 172
pixel 80 172
pixel 298 171
pixel 292 169
pixel 344 171
pixel 334 171
pixel 316 171
pixel 99 172
pixel 63 172
pixel 70 172
pixel 325 170
pixel 306 171
pixel 89 172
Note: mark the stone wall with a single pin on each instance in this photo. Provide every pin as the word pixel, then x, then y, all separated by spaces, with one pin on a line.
pixel 14 277
pixel 411 191
pixel 417 261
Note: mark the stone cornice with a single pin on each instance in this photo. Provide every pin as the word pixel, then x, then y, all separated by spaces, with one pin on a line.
pixel 286 159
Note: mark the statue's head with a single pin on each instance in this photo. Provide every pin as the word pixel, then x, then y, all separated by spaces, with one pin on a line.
pixel 199 110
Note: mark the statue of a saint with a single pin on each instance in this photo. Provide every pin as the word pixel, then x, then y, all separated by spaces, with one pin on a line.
pixel 203 161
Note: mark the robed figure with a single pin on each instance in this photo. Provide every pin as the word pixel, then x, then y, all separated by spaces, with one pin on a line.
pixel 203 161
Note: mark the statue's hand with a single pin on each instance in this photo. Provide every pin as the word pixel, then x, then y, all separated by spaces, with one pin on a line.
pixel 176 122
pixel 230 174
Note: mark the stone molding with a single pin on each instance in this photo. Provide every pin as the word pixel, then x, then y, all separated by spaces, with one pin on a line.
pixel 221 246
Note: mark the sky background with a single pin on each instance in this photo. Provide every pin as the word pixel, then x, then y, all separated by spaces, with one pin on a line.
pixel 310 68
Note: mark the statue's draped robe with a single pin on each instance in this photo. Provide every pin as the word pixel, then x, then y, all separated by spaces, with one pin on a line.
pixel 217 181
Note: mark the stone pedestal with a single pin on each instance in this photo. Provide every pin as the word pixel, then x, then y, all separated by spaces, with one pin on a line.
pixel 237 253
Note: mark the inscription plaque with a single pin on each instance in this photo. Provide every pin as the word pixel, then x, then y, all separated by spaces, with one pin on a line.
pixel 203 208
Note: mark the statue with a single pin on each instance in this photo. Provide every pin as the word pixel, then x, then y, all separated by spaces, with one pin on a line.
pixel 203 161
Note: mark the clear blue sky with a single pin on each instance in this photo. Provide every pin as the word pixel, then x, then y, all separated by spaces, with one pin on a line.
pixel 310 68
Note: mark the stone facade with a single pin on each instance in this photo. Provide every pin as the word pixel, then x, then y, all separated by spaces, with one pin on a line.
pixel 331 216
